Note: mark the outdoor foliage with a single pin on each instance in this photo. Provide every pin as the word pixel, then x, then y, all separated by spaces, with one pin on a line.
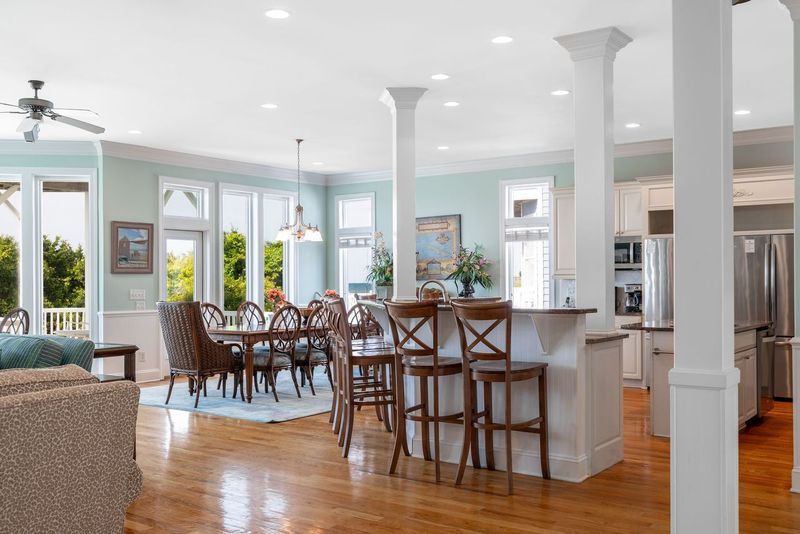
pixel 235 268
pixel 9 273
pixel 180 277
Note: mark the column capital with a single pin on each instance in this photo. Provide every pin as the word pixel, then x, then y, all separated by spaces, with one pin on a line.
pixel 402 97
pixel 793 6
pixel 603 42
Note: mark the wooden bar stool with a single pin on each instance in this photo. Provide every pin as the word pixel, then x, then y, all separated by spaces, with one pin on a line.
pixel 415 357
pixel 485 362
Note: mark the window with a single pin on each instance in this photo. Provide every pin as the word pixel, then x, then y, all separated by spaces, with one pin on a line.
pixel 355 227
pixel 184 265
pixel 10 236
pixel 276 257
pixel 236 256
pixel 184 201
pixel 526 233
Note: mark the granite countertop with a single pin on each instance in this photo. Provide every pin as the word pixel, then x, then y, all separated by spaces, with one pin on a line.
pixel 592 339
pixel 536 311
pixel 667 326
pixel 628 314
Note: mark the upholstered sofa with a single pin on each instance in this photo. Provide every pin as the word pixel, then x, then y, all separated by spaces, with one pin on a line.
pixel 31 352
pixel 68 442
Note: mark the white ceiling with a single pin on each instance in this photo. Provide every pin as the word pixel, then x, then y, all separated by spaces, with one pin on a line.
pixel 192 74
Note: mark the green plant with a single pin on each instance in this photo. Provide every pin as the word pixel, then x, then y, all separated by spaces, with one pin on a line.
pixel 472 267
pixel 381 265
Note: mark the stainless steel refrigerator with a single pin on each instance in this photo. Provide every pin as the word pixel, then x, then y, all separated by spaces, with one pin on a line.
pixel 658 280
pixel 764 291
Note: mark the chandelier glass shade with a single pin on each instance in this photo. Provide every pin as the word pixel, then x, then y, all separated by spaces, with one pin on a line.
pixel 298 230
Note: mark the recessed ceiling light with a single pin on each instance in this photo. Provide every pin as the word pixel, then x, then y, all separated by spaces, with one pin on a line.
pixel 135 132
pixel 502 39
pixel 742 112
pixel 440 76
pixel 318 163
pixel 443 147
pixel 632 125
pixel 560 92
pixel 451 104
pixel 277 14
pixel 269 106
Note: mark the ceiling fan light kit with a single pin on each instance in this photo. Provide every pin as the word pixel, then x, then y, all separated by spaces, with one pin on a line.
pixel 37 109
pixel 298 229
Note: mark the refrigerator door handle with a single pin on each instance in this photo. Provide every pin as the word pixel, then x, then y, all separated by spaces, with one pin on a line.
pixel 782 343
pixel 773 304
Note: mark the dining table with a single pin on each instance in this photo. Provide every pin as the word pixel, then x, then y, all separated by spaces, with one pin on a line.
pixel 248 335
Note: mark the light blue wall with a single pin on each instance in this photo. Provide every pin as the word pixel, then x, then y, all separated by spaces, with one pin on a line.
pixel 131 194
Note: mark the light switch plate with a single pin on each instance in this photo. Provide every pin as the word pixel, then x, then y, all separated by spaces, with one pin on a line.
pixel 140 357
pixel 139 305
pixel 137 294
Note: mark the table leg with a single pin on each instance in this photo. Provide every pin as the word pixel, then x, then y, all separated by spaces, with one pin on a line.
pixel 130 366
pixel 248 370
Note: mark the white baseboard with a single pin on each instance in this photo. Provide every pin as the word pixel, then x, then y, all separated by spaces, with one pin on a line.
pixel 526 462
pixel 148 375
pixel 607 454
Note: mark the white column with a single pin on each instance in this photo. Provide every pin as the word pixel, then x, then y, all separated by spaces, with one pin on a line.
pixel 593 53
pixel 402 102
pixel 704 475
pixel 794 10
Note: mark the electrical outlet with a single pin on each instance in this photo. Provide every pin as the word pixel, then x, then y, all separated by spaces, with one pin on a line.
pixel 137 294
pixel 139 305
pixel 140 356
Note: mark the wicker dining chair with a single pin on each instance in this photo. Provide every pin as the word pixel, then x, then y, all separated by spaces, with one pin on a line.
pixel 191 352
pixel 16 321
pixel 280 354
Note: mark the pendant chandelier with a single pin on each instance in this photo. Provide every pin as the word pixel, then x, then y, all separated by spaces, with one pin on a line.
pixel 298 229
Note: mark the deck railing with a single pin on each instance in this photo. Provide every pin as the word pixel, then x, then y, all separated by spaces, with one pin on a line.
pixel 56 320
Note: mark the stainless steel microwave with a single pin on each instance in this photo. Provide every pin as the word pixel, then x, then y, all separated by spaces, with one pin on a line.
pixel 628 255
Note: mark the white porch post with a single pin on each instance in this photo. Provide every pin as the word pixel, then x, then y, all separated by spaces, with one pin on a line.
pixel 704 474
pixel 794 10
pixel 402 102
pixel 593 53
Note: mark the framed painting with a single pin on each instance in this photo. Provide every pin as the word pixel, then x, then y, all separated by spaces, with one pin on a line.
pixel 131 247
pixel 438 241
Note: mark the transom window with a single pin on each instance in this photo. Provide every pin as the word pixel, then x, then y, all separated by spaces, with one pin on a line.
pixel 526 233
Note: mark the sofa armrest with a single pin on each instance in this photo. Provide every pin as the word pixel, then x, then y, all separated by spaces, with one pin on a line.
pixel 67 462
pixel 16 381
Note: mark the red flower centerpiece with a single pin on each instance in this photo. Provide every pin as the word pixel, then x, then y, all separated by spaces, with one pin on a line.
pixel 277 298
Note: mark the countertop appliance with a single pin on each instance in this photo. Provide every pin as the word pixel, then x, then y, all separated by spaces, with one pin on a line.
pixel 658 277
pixel 628 255
pixel 633 298
pixel 764 291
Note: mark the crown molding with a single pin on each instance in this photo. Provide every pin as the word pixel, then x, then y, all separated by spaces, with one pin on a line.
pixel 643 148
pixel 195 161
pixel 48 148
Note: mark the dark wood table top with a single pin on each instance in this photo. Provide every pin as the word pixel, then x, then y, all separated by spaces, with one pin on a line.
pixel 102 350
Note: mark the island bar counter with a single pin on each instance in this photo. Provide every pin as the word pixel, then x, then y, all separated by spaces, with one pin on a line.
pixel 584 392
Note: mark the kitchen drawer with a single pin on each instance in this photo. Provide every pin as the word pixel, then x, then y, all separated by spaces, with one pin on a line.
pixel 744 340
pixel 663 342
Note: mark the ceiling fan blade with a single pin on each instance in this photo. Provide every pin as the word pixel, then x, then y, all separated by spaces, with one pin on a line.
pixel 27 124
pixel 77 109
pixel 10 105
pixel 16 112
pixel 78 124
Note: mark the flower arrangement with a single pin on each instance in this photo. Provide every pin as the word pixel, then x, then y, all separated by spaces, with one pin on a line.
pixel 276 297
pixel 330 293
pixel 381 265
pixel 472 267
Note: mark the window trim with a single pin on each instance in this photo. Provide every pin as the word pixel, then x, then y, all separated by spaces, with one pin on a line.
pixel 509 222
pixel 339 233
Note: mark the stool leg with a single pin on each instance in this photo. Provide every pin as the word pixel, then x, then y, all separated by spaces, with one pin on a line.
pixel 400 416
pixel 509 463
pixel 387 418
pixel 543 425
pixel 488 434
pixel 426 436
pixel 476 453
pixel 465 445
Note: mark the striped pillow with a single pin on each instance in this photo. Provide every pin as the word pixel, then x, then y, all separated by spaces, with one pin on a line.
pixel 28 352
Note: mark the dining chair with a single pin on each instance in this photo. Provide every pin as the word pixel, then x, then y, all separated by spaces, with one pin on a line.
pixel 370 389
pixel 316 352
pixel 417 356
pixel 16 321
pixel 482 326
pixel 191 352
pixel 280 354
pixel 214 317
pixel 249 312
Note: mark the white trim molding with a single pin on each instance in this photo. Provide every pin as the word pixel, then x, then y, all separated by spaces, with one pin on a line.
pixel 196 161
pixel 48 148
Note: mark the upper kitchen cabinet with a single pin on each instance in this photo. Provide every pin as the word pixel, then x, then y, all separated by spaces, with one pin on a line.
pixel 564 233
pixel 628 209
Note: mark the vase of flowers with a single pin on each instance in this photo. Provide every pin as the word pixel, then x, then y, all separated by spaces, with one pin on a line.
pixel 276 298
pixel 330 294
pixel 380 267
pixel 472 268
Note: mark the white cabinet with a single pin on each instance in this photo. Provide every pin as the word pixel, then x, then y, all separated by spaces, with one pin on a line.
pixel 628 210
pixel 745 361
pixel 632 364
pixel 564 233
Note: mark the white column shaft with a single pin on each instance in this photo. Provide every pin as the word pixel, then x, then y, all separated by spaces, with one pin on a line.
pixel 703 382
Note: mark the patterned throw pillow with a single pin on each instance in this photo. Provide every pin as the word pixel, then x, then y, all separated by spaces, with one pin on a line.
pixel 28 352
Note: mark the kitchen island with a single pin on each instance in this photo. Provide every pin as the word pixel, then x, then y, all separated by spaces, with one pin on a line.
pixel 584 392
pixel 660 350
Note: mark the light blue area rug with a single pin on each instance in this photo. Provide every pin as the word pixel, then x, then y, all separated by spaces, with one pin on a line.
pixel 263 409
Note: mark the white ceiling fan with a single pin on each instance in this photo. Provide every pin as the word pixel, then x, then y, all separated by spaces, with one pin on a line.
pixel 37 109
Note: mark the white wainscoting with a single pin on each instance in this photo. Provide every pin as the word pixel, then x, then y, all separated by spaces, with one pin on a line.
pixel 141 329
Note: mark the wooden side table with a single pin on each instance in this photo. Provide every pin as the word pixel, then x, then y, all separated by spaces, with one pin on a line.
pixel 109 350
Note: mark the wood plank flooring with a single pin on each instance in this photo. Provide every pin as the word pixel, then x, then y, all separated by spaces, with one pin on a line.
pixel 212 474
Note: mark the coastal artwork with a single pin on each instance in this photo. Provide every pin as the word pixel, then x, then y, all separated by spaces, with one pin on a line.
pixel 438 241
pixel 131 247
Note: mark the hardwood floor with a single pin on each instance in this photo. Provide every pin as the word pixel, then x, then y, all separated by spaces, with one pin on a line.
pixel 212 474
